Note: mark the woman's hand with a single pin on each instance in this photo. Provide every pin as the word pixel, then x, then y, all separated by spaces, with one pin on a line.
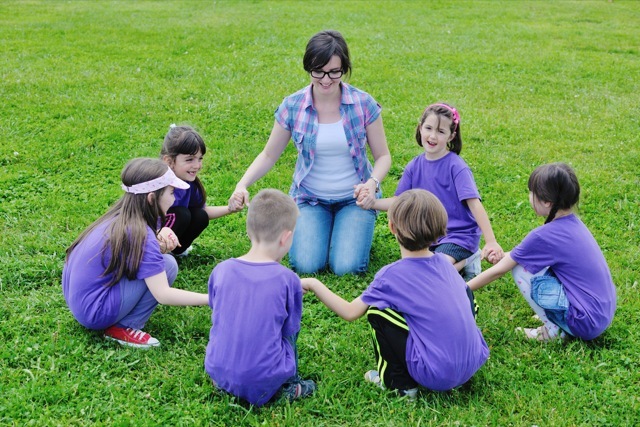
pixel 239 199
pixel 167 239
pixel 365 194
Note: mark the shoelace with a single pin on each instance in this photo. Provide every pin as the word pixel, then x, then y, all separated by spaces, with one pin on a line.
pixel 137 333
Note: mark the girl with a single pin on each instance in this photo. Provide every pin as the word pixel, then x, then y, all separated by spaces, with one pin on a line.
pixel 441 171
pixel 331 125
pixel 118 270
pixel 559 267
pixel 183 150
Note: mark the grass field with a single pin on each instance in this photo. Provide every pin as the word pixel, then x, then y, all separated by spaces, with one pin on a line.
pixel 87 85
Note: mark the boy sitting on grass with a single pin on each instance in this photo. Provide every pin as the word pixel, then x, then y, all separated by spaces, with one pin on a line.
pixel 420 309
pixel 257 306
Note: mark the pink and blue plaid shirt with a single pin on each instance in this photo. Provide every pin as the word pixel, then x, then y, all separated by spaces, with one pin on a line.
pixel 297 115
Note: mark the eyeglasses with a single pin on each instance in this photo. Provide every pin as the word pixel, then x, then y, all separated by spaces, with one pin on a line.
pixel 333 74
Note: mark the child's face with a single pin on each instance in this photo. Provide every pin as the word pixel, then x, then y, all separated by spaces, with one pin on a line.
pixel 187 166
pixel 435 134
pixel 541 208
pixel 166 199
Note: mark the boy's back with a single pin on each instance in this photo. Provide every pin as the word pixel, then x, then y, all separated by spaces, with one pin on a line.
pixel 445 347
pixel 256 306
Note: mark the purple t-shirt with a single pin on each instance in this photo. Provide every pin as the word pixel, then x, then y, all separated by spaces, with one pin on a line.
pixel 255 307
pixel 445 347
pixel 91 302
pixel 567 246
pixel 189 198
pixel 451 180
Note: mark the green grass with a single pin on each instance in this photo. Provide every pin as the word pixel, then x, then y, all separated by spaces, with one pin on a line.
pixel 88 85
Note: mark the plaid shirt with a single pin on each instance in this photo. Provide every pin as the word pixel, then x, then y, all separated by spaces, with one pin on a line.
pixel 297 115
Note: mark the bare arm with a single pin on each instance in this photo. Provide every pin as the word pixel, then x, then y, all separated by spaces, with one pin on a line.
pixel 382 162
pixel 347 310
pixel 492 250
pixel 217 211
pixel 383 204
pixel 159 287
pixel 262 164
pixel 505 265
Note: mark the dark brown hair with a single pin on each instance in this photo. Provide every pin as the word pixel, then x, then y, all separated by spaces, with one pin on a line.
pixel 555 183
pixel 321 47
pixel 442 110
pixel 184 140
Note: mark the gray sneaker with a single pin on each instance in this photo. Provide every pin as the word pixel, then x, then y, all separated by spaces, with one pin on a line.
pixel 472 266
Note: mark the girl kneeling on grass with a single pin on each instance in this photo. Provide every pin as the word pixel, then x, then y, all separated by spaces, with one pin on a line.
pixel 118 270
pixel 559 267
pixel 420 310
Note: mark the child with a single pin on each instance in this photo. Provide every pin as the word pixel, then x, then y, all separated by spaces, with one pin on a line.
pixel 118 270
pixel 183 150
pixel 419 308
pixel 442 171
pixel 559 267
pixel 257 306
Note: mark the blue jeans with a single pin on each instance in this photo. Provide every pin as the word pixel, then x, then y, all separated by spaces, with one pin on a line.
pixel 334 232
pixel 136 301
pixel 548 293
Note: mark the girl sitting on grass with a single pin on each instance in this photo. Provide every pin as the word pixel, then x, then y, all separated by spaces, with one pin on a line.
pixel 441 170
pixel 118 270
pixel 559 267
pixel 183 150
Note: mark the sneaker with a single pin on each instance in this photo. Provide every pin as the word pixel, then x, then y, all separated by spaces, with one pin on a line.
pixel 472 266
pixel 374 377
pixel 410 394
pixel 131 337
pixel 185 253
pixel 298 389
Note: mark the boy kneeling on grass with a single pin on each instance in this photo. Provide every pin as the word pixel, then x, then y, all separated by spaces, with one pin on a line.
pixel 257 307
pixel 420 309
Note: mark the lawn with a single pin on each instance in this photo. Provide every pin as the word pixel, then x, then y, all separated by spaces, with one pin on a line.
pixel 88 85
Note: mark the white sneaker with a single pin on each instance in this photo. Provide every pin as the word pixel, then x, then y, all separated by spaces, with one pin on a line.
pixel 185 253
pixel 472 266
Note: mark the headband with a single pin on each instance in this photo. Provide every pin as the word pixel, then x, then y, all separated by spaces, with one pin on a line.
pixel 169 178
pixel 454 112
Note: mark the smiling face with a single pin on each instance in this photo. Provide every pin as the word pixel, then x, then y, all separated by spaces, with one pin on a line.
pixel 327 86
pixel 186 166
pixel 435 134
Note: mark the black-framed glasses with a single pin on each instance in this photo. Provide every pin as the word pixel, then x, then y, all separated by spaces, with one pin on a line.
pixel 333 74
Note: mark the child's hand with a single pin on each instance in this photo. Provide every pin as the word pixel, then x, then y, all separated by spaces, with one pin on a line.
pixel 308 283
pixel 492 252
pixel 364 197
pixel 168 240
pixel 239 199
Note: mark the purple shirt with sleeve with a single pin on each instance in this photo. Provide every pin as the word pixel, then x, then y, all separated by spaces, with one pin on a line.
pixel 451 181
pixel 91 302
pixel 568 248
pixel 445 347
pixel 189 198
pixel 297 115
pixel 256 306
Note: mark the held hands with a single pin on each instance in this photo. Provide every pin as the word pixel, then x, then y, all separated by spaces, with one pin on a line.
pixel 492 252
pixel 365 194
pixel 239 199
pixel 308 283
pixel 168 240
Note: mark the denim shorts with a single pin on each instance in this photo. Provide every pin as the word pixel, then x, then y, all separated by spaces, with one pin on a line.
pixel 456 252
pixel 548 293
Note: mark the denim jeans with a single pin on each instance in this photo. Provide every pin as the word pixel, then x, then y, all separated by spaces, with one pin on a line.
pixel 334 232
pixel 548 293
pixel 136 301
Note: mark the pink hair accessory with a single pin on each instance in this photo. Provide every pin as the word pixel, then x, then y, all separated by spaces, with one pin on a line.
pixel 169 178
pixel 454 112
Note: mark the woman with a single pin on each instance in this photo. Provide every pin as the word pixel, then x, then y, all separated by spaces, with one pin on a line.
pixel 330 123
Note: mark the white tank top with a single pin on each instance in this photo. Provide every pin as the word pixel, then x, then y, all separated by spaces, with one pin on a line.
pixel 333 174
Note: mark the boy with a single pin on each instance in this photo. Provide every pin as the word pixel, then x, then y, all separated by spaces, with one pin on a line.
pixel 257 306
pixel 420 309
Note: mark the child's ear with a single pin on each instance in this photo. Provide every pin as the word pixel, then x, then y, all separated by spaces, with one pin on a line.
pixel 453 135
pixel 392 228
pixel 168 160
pixel 285 236
pixel 151 198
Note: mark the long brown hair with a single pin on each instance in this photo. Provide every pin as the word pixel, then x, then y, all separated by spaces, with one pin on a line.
pixel 130 216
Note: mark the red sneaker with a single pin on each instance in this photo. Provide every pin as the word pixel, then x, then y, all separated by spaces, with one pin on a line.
pixel 131 337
